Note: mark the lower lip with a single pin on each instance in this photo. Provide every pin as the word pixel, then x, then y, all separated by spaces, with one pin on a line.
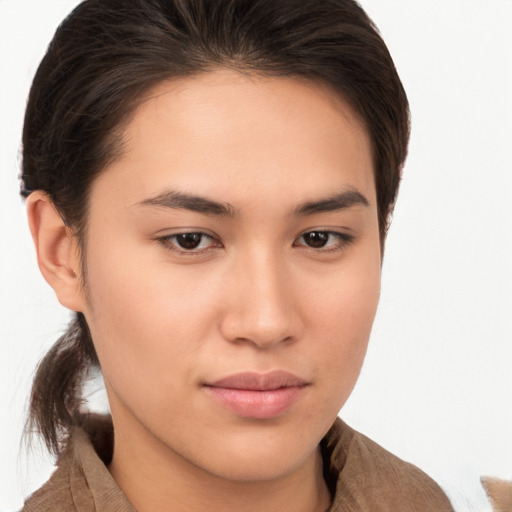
pixel 257 404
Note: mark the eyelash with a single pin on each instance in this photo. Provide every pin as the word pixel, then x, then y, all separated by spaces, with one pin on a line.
pixel 170 243
pixel 342 241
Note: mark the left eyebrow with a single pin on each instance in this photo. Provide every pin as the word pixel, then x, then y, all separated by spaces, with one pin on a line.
pixel 341 201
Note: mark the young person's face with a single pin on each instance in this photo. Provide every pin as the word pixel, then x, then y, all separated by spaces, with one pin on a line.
pixel 233 245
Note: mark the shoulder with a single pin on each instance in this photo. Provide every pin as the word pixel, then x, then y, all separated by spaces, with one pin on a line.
pixel 82 480
pixel 371 478
pixel 55 495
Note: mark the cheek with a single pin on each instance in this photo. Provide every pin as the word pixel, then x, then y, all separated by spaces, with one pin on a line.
pixel 343 320
pixel 344 300
pixel 145 318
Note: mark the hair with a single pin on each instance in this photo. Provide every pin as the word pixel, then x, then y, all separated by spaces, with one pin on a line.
pixel 108 53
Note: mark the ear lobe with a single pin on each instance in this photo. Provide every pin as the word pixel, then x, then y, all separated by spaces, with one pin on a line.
pixel 57 250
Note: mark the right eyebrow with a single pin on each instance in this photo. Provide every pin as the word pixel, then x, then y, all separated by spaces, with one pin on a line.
pixel 180 200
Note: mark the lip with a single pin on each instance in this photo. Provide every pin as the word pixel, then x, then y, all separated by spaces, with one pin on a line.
pixel 257 395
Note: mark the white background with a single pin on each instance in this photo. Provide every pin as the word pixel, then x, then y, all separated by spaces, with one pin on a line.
pixel 436 388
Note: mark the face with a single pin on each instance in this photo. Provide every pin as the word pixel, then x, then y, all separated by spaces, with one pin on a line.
pixel 233 269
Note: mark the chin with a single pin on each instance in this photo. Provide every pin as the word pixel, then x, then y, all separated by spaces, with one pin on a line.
pixel 258 467
pixel 263 457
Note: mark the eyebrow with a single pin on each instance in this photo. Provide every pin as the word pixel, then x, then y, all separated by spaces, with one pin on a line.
pixel 341 201
pixel 190 202
pixel 199 204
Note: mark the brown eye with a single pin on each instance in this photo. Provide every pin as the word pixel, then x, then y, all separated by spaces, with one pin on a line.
pixel 324 241
pixel 189 241
pixel 316 239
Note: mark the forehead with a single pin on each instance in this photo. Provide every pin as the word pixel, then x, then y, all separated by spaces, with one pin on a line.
pixel 217 130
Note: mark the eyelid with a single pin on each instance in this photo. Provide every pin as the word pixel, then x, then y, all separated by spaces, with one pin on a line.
pixel 344 239
pixel 166 242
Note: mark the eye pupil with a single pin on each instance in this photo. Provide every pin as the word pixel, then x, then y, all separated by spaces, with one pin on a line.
pixel 316 239
pixel 189 240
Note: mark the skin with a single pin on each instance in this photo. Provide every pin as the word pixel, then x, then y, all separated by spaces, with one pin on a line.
pixel 254 296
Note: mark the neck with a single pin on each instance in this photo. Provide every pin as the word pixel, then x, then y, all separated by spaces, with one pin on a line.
pixel 155 478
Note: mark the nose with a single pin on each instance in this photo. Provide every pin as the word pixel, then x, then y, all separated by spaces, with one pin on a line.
pixel 261 308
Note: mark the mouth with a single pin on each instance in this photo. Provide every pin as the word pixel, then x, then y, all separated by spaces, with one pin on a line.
pixel 257 396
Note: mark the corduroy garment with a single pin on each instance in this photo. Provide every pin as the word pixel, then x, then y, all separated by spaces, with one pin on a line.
pixel 363 476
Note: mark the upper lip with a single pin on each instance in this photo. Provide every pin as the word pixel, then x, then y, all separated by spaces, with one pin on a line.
pixel 255 381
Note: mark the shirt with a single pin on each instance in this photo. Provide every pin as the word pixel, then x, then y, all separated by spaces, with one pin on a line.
pixel 362 476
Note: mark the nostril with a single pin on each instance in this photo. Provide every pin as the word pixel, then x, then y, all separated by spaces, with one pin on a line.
pixel 239 328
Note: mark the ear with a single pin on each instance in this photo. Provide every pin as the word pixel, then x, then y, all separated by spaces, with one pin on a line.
pixel 57 250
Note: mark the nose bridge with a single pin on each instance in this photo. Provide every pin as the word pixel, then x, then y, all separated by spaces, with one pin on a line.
pixel 261 307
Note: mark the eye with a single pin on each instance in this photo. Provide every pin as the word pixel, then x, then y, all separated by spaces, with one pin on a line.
pixel 324 240
pixel 189 242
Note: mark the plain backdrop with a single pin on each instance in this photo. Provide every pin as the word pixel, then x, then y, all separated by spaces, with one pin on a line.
pixel 436 388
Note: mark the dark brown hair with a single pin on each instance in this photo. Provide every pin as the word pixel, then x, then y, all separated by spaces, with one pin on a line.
pixel 107 53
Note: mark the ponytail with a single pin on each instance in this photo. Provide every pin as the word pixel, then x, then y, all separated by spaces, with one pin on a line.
pixel 56 395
